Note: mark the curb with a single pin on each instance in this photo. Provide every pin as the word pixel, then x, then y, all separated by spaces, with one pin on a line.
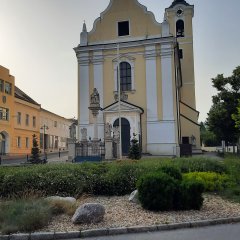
pixel 117 231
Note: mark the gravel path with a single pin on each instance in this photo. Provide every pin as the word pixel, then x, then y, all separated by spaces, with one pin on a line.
pixel 121 213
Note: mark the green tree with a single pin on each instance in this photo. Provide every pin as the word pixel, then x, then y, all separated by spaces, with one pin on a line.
pixel 236 116
pixel 208 138
pixel 134 151
pixel 35 157
pixel 220 121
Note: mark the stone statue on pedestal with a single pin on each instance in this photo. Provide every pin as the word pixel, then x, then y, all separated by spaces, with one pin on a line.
pixel 108 130
pixel 84 134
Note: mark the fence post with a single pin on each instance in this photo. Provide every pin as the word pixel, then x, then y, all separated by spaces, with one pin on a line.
pixel 0 160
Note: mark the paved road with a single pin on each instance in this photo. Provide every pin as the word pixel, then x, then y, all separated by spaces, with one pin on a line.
pixel 220 232
pixel 52 157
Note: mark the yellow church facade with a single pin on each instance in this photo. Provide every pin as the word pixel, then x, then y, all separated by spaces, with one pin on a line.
pixel 155 64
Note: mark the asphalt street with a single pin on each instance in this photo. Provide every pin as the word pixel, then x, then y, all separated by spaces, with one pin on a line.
pixel 52 157
pixel 219 232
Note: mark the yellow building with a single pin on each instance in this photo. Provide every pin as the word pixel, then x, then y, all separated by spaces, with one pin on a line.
pixel 21 117
pixel 54 131
pixel 156 75
pixel 26 122
pixel 7 83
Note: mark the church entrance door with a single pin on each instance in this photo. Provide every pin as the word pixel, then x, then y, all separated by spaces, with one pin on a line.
pixel 125 135
pixel 2 144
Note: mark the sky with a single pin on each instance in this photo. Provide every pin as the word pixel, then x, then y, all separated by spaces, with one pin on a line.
pixel 37 38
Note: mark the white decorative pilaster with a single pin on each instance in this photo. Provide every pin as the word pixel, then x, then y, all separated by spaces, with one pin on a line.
pixel 83 91
pixel 151 83
pixel 98 60
pixel 167 82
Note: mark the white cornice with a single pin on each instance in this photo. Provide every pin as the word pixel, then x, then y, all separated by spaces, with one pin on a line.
pixel 130 44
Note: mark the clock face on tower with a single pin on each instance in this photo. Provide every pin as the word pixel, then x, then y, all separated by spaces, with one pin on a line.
pixel 179 12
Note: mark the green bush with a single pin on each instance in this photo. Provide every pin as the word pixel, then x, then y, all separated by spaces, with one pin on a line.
pixel 233 169
pixel 172 171
pixel 156 191
pixel 116 178
pixel 212 181
pixel 119 180
pixel 189 195
pixel 200 165
pixel 24 216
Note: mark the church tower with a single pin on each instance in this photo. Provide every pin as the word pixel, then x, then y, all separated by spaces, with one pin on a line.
pixel 179 16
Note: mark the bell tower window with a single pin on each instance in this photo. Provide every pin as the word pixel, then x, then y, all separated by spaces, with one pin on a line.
pixel 180 28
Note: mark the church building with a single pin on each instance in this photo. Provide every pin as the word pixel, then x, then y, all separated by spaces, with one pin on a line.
pixel 155 65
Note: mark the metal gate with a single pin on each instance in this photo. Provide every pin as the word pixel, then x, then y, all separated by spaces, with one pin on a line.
pixel 89 152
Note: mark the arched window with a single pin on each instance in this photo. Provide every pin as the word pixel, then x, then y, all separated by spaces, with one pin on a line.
pixel 180 28
pixel 125 76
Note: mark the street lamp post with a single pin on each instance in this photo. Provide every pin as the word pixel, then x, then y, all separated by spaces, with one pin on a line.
pixel 44 128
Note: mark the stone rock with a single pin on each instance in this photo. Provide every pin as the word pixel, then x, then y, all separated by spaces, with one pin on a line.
pixel 69 200
pixel 134 197
pixel 89 213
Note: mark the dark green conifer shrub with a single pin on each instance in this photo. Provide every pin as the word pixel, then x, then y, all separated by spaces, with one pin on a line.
pixel 190 195
pixel 134 151
pixel 156 191
pixel 35 157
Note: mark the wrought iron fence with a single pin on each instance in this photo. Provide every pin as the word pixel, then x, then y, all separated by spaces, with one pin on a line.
pixel 89 151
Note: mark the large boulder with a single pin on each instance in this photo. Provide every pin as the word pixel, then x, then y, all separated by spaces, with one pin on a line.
pixel 134 197
pixel 89 213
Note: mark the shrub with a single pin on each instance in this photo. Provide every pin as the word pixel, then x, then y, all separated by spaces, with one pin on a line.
pixel 156 191
pixel 211 181
pixel 172 171
pixel 188 195
pixel 135 151
pixel 24 216
pixel 120 179
pixel 233 169
pixel 200 165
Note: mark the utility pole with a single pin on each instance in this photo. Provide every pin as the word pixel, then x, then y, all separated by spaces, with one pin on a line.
pixel 119 103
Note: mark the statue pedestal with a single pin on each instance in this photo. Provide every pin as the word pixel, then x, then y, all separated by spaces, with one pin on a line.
pixel 109 148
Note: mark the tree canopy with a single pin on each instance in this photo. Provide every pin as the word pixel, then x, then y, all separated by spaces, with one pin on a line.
pixel 225 103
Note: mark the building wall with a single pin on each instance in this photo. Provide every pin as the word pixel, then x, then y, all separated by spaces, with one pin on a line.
pixel 19 132
pixel 56 131
pixel 23 131
pixel 7 102
pixel 105 29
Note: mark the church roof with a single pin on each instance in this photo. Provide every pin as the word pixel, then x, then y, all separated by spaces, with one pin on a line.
pixel 23 96
pixel 175 2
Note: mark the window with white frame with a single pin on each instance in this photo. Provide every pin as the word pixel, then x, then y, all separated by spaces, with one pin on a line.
pixel 1 85
pixel 27 119
pixel 4 114
pixel 8 88
pixel 125 76
pixel 19 116
pixel 27 142
pixel 34 121
pixel 18 142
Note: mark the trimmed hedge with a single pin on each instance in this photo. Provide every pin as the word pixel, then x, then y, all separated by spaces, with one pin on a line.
pixel 117 178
